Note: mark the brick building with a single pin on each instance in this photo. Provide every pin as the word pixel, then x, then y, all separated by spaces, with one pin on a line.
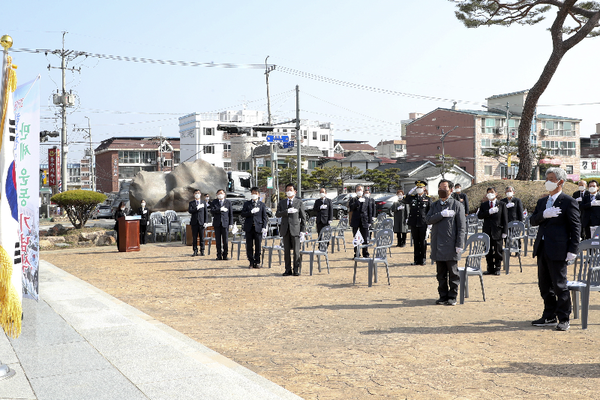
pixel 118 159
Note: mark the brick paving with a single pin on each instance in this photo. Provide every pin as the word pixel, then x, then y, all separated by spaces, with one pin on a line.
pixel 323 338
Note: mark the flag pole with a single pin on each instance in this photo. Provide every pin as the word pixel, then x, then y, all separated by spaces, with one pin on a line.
pixel 6 42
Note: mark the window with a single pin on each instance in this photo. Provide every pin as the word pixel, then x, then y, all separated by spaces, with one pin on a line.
pixel 324 138
pixel 559 128
pixel 314 135
pixel 129 172
pixel 209 131
pixel 556 148
pixel 168 163
pixel 227 166
pixel 226 150
pixel 176 157
pixel 399 147
pixel 490 125
pixel 594 143
pixel 486 142
pixel 244 166
pixel 130 157
pixel 209 149
pixel 312 164
pixel 284 130
pixel 268 163
pixel 569 169
pixel 488 170
pixel 305 134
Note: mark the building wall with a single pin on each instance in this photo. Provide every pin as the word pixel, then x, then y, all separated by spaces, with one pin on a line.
pixel 107 172
pixel 388 149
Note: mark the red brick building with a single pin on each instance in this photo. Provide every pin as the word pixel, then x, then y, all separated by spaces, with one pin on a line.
pixel 118 159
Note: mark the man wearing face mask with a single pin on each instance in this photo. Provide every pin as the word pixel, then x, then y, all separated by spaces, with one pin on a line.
pixel 579 196
pixel 144 213
pixel 448 231
pixel 495 224
pixel 323 208
pixel 293 222
pixel 457 194
pixel 400 216
pixel 372 205
pixel 514 206
pixel 419 207
pixel 222 222
pixel 361 218
pixel 207 205
pixel 199 219
pixel 556 243
pixel 255 226
pixel 591 205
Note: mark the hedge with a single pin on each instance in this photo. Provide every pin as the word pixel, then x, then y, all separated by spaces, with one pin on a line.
pixel 79 204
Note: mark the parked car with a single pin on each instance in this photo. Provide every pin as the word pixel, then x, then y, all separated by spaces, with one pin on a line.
pixel 237 205
pixel 338 210
pixel 342 199
pixel 102 211
pixel 384 204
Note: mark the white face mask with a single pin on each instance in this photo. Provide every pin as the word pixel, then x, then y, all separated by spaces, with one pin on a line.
pixel 207 198
pixel 143 205
pixel 254 196
pixel 367 195
pixel 491 196
pixel 400 196
pixel 582 188
pixel 122 208
pixel 551 186
pixel 322 194
pixel 420 190
pixel 289 193
pixel 221 196
pixel 197 196
pixel 593 189
pixel 509 194
pixel 359 193
pixel 457 190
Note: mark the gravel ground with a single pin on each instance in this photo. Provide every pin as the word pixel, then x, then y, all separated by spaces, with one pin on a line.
pixel 323 338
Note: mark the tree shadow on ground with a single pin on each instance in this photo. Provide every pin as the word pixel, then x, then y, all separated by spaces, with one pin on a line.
pixel 586 371
pixel 475 327
pixel 402 304
pixel 229 276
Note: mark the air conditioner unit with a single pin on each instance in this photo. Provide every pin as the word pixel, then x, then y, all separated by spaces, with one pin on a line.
pixel 542 132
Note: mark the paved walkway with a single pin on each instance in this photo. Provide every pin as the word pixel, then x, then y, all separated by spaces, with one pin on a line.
pixel 80 343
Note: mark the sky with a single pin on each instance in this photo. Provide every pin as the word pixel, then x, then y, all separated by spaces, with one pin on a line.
pixel 413 47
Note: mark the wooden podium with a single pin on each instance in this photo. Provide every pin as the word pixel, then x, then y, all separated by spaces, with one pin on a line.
pixel 129 233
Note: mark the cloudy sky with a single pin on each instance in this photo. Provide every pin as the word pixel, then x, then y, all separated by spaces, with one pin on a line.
pixel 399 46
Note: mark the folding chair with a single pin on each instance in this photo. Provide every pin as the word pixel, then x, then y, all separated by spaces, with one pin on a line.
pixel 516 232
pixel 238 240
pixel 275 245
pixel 586 279
pixel 383 240
pixel 338 234
pixel 319 248
pixel 477 246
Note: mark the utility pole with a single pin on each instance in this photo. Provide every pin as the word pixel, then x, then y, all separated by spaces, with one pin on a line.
pixel 267 70
pixel 299 162
pixel 443 152
pixel 64 100
pixel 88 131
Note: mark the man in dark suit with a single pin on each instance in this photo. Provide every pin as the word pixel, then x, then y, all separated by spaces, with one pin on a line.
pixel 514 206
pixel 361 217
pixel 323 208
pixel 198 220
pixel 144 214
pixel 579 196
pixel 419 204
pixel 222 213
pixel 372 205
pixel 293 222
pixel 495 224
pixel 457 194
pixel 255 226
pixel 589 207
pixel 557 216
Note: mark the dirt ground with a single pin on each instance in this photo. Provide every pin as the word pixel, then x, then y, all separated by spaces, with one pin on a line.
pixel 322 337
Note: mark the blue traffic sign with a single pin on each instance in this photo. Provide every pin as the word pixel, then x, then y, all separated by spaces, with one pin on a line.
pixel 288 144
pixel 278 138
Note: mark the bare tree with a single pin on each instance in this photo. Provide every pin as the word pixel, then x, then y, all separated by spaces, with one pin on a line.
pixel 576 20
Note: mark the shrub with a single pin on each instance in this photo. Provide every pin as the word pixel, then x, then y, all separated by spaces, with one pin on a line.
pixel 78 204
pixel 528 191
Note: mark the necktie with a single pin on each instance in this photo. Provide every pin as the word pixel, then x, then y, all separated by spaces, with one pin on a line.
pixel 197 202
pixel 289 204
pixel 549 202
pixel 491 204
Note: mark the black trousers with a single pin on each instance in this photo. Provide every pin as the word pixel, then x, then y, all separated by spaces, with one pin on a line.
pixel 143 229
pixel 253 240
pixel 494 256
pixel 291 242
pixel 320 226
pixel 401 239
pixel 552 281
pixel 365 234
pixel 198 230
pixel 221 233
pixel 448 279
pixel 418 235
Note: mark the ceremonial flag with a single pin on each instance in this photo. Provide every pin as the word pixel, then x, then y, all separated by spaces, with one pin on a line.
pixel 10 255
pixel 358 239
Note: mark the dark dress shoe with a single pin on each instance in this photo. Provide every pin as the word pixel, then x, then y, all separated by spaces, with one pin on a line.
pixel 195 254
pixel 296 274
pixel 202 253
pixel 251 265
pixel 256 265
pixel 287 273
pixel 489 272
pixel 496 272
pixel 225 258
pixel 218 258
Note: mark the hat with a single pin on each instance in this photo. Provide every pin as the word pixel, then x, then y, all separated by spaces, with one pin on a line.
pixel 420 184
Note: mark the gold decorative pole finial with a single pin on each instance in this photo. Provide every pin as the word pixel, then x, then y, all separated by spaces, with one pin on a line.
pixel 6 42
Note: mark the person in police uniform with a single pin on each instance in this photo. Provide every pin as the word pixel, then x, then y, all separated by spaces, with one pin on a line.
pixel 419 204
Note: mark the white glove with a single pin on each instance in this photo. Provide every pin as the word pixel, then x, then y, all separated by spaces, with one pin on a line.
pixel 458 250
pixel 448 213
pixel 329 222
pixel 230 227
pixel 205 225
pixel 510 205
pixel 264 230
pixel 493 210
pixel 579 199
pixel 224 209
pixel 504 236
pixel 255 210
pixel 595 203
pixel 292 210
pixel 571 256
pixel 374 219
pixel 145 212
pixel 400 207
pixel 199 206
pixel 412 190
pixel 324 207
pixel 362 199
pixel 552 212
pixel 352 194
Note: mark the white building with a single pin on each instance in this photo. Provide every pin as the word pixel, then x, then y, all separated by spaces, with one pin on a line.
pixel 391 148
pixel 201 139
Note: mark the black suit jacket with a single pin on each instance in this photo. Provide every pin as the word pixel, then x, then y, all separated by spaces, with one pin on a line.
pixel 295 222
pixel 323 215
pixel 463 199
pixel 259 219
pixel 145 216
pixel 199 216
pixel 515 213
pixel 362 213
pixel 561 234
pixel 494 224
pixel 221 218
pixel 590 215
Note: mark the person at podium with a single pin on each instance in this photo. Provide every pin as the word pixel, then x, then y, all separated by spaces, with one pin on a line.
pixel 118 214
pixel 144 213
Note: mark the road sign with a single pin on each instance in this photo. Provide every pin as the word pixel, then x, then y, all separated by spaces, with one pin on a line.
pixel 270 182
pixel 278 138
pixel 288 144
